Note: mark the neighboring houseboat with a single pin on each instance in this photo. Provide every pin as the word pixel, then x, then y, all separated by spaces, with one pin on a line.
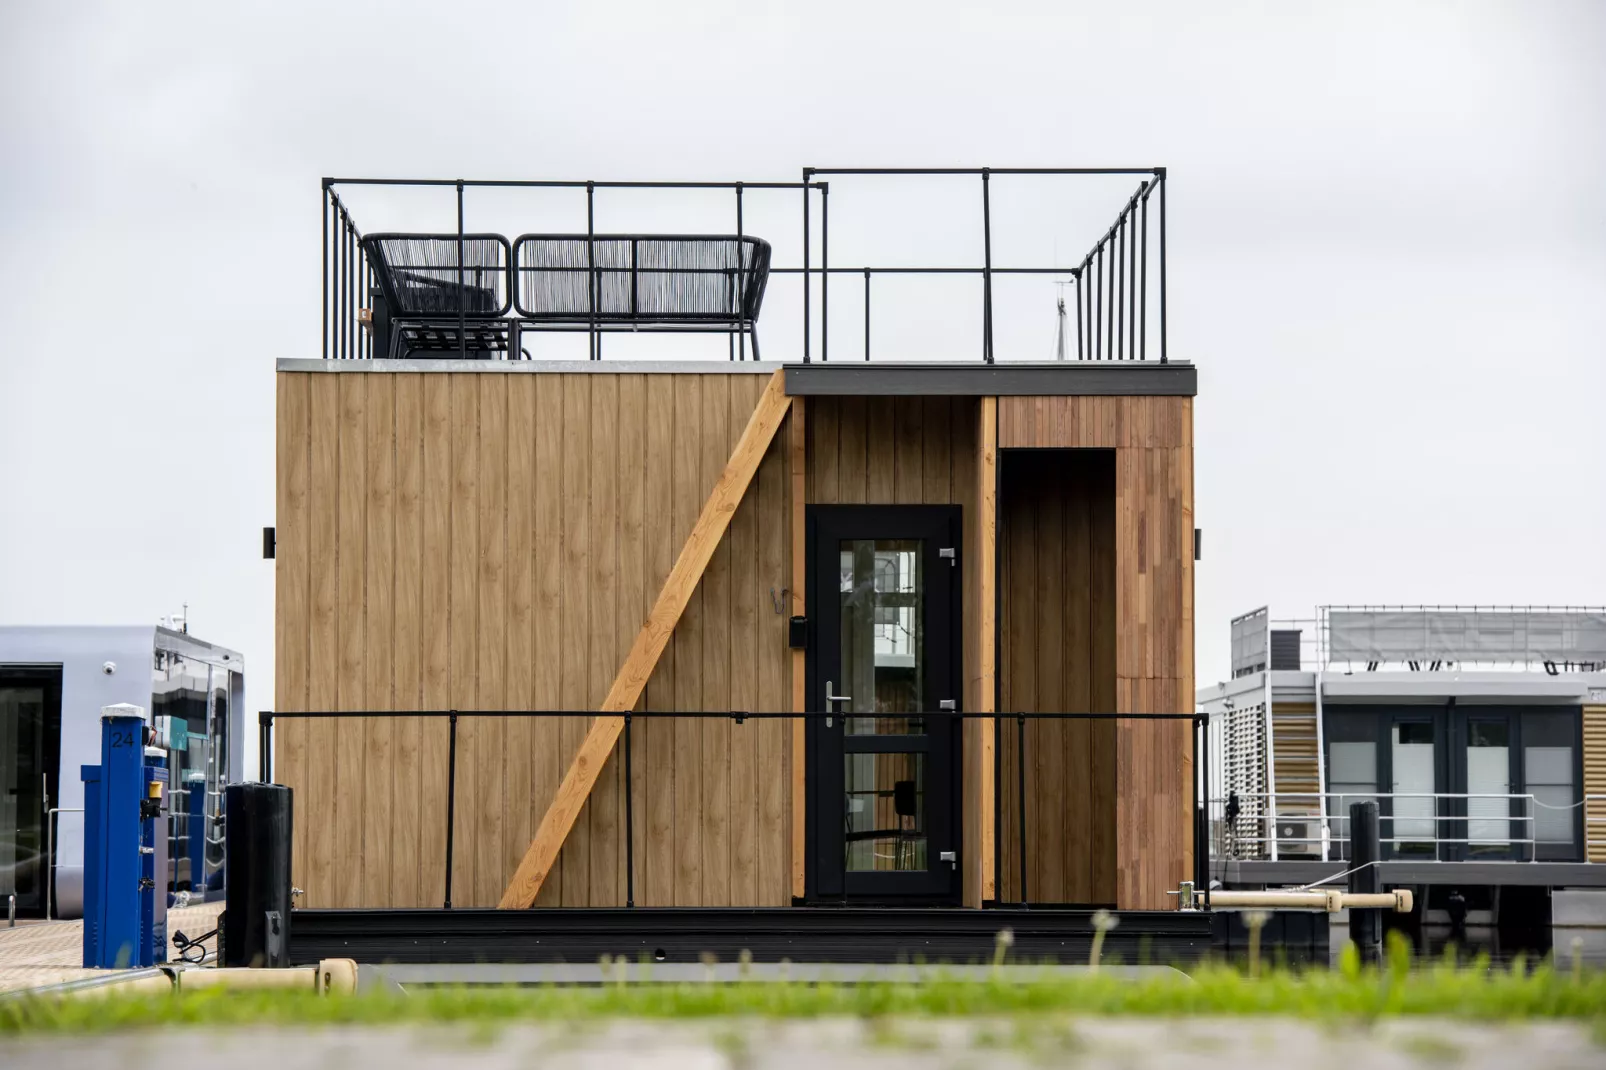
pixel 1481 733
pixel 53 683
pixel 730 636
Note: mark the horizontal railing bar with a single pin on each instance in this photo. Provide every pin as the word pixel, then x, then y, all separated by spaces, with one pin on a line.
pixel 1071 271
pixel 984 170
pixel 543 183
pixel 1196 718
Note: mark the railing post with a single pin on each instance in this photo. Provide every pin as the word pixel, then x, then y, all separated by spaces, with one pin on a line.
pixel 807 279
pixel 987 265
pixel 1159 175
pixel 741 284
pixel 825 271
pixel 451 800
pixel 462 322
pixel 867 314
pixel 630 823
pixel 1020 783
pixel 593 282
pixel 323 212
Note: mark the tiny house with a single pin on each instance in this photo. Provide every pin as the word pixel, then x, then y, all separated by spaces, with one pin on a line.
pixel 1479 731
pixel 669 632
pixel 54 680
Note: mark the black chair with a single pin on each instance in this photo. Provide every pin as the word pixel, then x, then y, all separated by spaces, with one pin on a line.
pixel 699 282
pixel 424 301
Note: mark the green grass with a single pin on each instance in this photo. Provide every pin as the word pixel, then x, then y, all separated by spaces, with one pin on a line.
pixel 1471 990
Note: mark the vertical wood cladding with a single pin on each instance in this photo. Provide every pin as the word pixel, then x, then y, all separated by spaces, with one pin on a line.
pixel 476 541
pixel 1153 442
pixel 493 541
pixel 1057 541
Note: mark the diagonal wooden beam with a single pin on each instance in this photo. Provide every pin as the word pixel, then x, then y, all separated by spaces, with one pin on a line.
pixel 649 646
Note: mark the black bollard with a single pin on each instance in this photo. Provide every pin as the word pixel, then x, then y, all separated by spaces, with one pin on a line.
pixel 1365 848
pixel 256 843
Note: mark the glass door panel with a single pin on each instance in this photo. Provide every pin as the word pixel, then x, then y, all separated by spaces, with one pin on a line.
pixel 1488 787
pixel 1415 761
pixel 881 600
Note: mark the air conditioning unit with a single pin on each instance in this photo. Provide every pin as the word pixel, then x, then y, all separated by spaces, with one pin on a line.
pixel 1299 836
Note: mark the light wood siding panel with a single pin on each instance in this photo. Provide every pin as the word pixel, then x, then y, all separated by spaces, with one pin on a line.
pixel 1595 781
pixel 1293 732
pixel 470 541
pixel 1056 539
pixel 1153 440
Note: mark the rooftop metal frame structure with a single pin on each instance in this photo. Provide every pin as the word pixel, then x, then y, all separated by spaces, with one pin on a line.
pixel 1111 281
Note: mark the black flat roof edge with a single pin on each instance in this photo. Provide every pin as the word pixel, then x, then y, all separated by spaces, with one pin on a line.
pixel 1050 379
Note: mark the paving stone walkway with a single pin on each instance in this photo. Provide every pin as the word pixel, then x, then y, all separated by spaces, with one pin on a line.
pixel 841 1044
pixel 49 952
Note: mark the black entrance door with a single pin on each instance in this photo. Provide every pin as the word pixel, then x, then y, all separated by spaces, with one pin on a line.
pixel 884 666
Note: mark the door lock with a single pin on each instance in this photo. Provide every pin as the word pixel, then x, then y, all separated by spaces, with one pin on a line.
pixel 829 699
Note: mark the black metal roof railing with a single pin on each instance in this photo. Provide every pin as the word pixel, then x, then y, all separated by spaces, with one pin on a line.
pixel 1113 309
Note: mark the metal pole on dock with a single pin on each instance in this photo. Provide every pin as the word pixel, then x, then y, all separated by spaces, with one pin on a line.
pixel 1366 849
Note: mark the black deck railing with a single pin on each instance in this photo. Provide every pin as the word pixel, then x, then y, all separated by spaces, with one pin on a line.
pixel 1200 754
pixel 1113 309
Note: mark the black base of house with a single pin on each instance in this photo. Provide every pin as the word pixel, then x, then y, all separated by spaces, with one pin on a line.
pixel 800 934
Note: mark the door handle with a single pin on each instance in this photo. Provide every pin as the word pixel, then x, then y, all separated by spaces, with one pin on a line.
pixel 830 698
pixel 950 857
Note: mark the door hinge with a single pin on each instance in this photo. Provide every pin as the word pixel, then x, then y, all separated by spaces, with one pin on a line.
pixel 951 554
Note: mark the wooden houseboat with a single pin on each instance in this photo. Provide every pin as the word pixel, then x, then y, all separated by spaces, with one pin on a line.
pixel 830 656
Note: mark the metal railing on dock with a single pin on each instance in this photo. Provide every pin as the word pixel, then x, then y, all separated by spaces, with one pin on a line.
pixel 1199 758
pixel 1431 826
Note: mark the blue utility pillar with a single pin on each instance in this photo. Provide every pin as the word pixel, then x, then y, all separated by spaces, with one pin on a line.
pixel 125 847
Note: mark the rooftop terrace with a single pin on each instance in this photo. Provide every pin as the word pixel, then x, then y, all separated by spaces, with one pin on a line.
pixel 945 265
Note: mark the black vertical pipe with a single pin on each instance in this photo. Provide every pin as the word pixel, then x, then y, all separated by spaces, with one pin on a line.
pixel 741 280
pixel 1118 291
pixel 825 271
pixel 866 314
pixel 1078 315
pixel 987 267
pixel 1365 928
pixel 630 824
pixel 998 812
pixel 342 312
pixel 1020 785
pixel 807 280
pixel 1160 178
pixel 351 288
pixel 1204 875
pixel 1143 282
pixel 323 210
pixel 265 744
pixel 462 321
pixel 1132 284
pixel 451 801
pixel 1098 303
pixel 591 269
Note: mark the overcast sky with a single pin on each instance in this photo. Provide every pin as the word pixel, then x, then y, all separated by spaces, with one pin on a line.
pixel 1387 226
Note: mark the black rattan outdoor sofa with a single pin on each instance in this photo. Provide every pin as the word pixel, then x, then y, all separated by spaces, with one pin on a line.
pixel 601 282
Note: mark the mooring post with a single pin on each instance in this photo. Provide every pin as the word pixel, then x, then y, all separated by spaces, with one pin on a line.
pixel 1365 926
